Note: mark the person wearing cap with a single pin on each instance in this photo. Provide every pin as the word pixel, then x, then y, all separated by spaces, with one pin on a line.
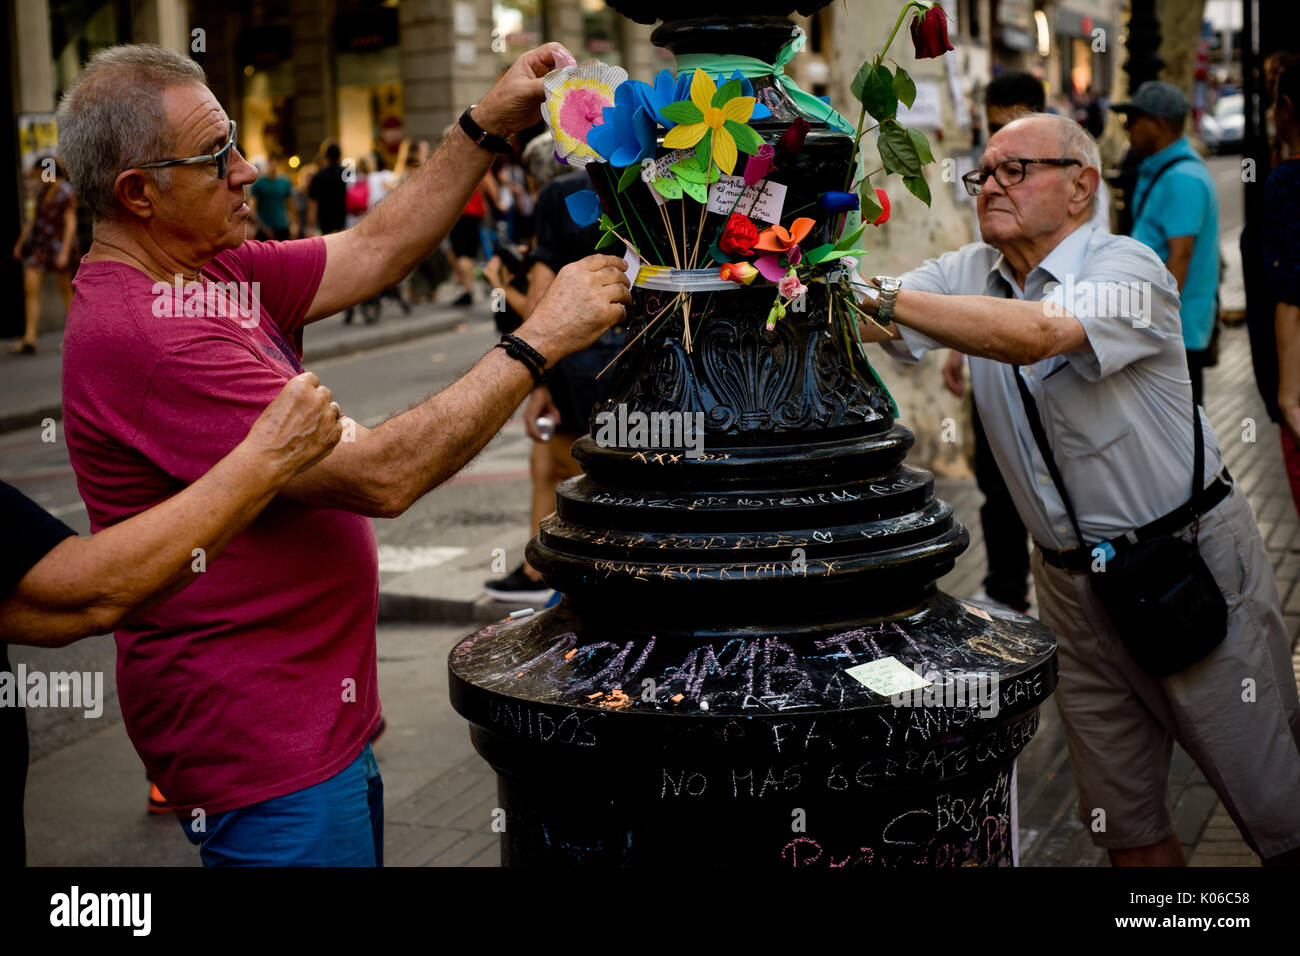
pixel 1176 212
pixel 1101 382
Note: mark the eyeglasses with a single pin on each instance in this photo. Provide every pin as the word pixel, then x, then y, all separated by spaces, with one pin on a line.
pixel 221 157
pixel 1008 173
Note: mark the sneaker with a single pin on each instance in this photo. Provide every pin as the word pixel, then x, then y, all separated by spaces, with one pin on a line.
pixel 517 586
pixel 157 802
pixel 981 596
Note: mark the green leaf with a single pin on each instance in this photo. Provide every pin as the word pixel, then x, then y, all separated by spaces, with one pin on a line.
pixel 918 187
pixel 683 111
pixel 703 154
pixel 697 191
pixel 869 208
pixel 848 241
pixel 819 253
pixel 897 154
pixel 688 170
pixel 921 145
pixel 904 88
pixel 860 80
pixel 606 223
pixel 630 175
pixel 668 188
pixel 747 141
pixel 728 90
pixel 878 94
pixel 607 239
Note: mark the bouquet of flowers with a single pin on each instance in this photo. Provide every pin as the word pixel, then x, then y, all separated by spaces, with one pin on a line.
pixel 687 139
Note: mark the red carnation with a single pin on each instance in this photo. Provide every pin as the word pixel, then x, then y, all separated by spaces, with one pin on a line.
pixel 738 236
pixel 930 33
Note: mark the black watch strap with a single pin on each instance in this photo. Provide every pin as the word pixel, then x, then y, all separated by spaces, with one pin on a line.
pixel 481 137
pixel 521 351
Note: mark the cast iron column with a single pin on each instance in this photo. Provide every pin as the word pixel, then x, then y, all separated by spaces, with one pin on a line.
pixel 687 703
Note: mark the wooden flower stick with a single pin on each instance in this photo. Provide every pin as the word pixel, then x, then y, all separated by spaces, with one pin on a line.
pixel 653 320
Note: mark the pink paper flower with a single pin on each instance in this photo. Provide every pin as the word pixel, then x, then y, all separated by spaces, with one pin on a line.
pixel 759 165
pixel 790 287
pixel 576 97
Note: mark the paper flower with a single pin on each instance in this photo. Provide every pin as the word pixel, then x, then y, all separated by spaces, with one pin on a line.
pixel 738 236
pixel 777 239
pixel 759 165
pixel 838 202
pixel 576 97
pixel 790 144
pixel 655 98
pixel 683 90
pixel 709 112
pixel 628 133
pixel 882 197
pixel 771 268
pixel 584 207
pixel 790 287
pixel 930 33
pixel 741 272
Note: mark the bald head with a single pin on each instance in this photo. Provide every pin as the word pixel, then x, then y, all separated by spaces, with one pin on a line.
pixel 1062 137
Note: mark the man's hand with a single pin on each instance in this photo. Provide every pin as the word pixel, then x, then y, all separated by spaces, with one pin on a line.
pixel 585 299
pixel 514 103
pixel 952 377
pixel 298 428
pixel 539 403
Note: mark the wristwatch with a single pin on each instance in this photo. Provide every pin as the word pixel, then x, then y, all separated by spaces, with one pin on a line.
pixel 889 286
pixel 481 137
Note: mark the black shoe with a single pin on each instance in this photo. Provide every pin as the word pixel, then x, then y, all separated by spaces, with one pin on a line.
pixel 517 586
pixel 347 317
pixel 465 299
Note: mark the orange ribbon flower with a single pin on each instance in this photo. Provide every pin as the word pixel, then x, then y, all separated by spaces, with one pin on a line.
pixel 777 239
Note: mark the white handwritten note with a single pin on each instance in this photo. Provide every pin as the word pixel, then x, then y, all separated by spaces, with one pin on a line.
pixel 887 676
pixel 762 201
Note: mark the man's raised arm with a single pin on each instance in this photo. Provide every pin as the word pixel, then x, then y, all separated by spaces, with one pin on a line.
pixel 407 226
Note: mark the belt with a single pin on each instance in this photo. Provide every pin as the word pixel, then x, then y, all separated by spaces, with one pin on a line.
pixel 1079 559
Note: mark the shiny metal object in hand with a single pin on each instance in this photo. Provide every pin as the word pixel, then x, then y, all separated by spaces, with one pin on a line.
pixel 546 427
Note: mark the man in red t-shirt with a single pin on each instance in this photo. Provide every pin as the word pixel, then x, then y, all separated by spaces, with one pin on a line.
pixel 251 696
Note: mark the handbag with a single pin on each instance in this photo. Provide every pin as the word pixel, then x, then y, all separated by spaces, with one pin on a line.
pixel 1156 588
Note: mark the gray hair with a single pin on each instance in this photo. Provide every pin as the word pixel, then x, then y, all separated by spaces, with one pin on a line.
pixel 112 118
pixel 540 162
pixel 1077 143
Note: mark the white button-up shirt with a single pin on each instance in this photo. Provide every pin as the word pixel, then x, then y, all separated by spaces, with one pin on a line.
pixel 1118 413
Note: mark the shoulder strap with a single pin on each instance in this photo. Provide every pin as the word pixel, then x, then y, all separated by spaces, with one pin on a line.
pixel 1137 213
pixel 1045 449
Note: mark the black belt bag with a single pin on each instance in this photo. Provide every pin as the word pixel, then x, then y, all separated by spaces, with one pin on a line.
pixel 1158 592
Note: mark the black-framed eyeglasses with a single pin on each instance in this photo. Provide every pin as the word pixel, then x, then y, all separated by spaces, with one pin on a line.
pixel 1008 173
pixel 221 157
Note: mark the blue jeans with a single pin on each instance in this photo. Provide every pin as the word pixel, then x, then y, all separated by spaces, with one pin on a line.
pixel 337 822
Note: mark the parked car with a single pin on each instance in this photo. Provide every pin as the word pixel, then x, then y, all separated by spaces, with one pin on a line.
pixel 1223 128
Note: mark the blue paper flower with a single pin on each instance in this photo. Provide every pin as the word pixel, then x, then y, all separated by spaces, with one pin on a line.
pixel 584 206
pixel 654 98
pixel 838 202
pixel 629 133
pixel 682 91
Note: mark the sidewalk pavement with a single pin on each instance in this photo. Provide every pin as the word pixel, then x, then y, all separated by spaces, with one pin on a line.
pixel 31 385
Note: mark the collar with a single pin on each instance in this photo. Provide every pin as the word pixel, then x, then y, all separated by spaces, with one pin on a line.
pixel 1179 147
pixel 1065 258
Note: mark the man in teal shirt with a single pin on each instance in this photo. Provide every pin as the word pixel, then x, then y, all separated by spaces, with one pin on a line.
pixel 272 203
pixel 1176 212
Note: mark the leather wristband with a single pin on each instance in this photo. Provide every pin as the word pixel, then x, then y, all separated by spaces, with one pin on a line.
pixel 521 351
pixel 481 137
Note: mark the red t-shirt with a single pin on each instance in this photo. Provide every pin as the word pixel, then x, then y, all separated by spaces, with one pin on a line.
pixel 259 678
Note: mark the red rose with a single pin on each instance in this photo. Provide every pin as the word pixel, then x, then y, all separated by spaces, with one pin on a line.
pixel 930 33
pixel 882 197
pixel 738 236
pixel 790 144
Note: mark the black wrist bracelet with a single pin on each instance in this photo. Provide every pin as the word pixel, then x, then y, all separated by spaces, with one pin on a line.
pixel 521 351
pixel 481 137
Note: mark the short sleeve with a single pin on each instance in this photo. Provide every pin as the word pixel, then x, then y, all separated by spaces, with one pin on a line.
pixel 1127 303
pixel 1180 202
pixel 287 275
pixel 31 533
pixel 933 275
pixel 200 403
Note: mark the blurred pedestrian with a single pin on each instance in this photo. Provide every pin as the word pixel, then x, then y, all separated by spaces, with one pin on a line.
pixel 327 195
pixel 1176 213
pixel 47 245
pixel 57 588
pixel 1281 255
pixel 466 240
pixel 272 203
pixel 261 714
